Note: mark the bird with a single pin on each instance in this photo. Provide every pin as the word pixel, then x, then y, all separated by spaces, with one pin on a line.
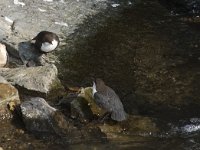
pixel 46 41
pixel 3 55
pixel 106 98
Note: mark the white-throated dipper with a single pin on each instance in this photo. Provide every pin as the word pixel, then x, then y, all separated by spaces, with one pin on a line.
pixel 106 98
pixel 46 41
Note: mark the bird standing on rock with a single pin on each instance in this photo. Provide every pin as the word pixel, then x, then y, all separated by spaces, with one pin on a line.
pixel 106 98
pixel 46 41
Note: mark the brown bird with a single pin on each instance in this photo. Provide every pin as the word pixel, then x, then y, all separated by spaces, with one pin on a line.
pixel 106 98
pixel 46 41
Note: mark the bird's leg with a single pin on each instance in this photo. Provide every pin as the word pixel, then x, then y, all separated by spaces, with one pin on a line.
pixel 104 117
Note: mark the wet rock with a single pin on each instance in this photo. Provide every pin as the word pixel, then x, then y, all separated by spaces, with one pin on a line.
pixel 134 124
pixel 33 80
pixel 3 55
pixel 78 107
pixel 8 97
pixel 81 110
pixel 39 116
pixel 86 93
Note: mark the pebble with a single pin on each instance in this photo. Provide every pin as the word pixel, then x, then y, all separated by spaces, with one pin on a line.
pixel 1 148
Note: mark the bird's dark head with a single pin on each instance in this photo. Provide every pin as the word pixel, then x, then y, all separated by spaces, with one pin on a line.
pixel 99 84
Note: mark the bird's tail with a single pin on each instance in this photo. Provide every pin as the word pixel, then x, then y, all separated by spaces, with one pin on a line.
pixel 119 115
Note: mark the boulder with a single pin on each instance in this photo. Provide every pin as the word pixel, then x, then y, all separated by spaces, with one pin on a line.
pixel 86 93
pixel 32 57
pixel 76 107
pixel 34 80
pixel 19 25
pixel 8 97
pixel 138 125
pixel 81 110
pixel 38 116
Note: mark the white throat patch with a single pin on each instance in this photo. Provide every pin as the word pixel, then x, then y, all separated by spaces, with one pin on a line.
pixel 48 47
pixel 94 90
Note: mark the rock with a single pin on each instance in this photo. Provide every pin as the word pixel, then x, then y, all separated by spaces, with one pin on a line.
pixel 32 57
pixel 17 25
pixel 34 80
pixel 81 110
pixel 39 116
pixel 3 55
pixel 8 97
pixel 2 80
pixel 77 106
pixel 86 93
pixel 123 130
pixel 183 6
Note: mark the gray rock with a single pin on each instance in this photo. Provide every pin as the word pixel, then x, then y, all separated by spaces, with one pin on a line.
pixel 33 79
pixel 38 115
pixel 32 57
pixel 2 80
pixel 21 22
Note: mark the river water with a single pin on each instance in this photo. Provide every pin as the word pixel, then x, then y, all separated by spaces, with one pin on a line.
pixel 141 49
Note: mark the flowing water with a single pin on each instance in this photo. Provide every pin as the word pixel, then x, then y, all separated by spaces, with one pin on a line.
pixel 143 50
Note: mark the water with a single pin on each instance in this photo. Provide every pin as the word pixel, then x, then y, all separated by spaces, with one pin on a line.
pixel 143 52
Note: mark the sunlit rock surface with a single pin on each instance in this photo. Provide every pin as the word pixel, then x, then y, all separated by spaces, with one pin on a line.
pixel 8 96
pixel 21 21
pixel 35 79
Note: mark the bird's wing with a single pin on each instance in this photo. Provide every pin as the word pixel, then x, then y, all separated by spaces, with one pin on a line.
pixel 102 101
pixel 114 100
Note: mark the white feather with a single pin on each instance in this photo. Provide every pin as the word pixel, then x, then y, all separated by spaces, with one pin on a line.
pixel 47 47
pixel 94 90
pixel 3 55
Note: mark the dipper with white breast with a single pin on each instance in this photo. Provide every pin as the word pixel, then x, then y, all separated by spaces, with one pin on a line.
pixel 46 41
pixel 106 98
